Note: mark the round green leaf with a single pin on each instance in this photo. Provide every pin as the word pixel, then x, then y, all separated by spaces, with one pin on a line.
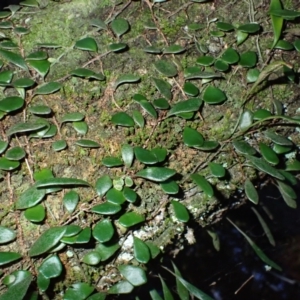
pixel 23 83
pixel 3 146
pixel 152 49
pixel 217 170
pixel 40 66
pixel 243 147
pixel 6 235
pixel 35 214
pixel 230 56
pixel 192 138
pixel 122 119
pixel 114 196
pixel 106 208
pixel 81 127
pixel 213 95
pixel 181 213
pixel 70 201
pixel 51 267
pixel 205 60
pixel 161 103
pixel 203 184
pixel 42 282
pixel 121 287
pixel 14 58
pixel 138 118
pixel 48 88
pixel 15 153
pixel 163 87
pixel 72 117
pixel 111 161
pixel 31 197
pixel 252 75
pixel 208 146
pixel 72 230
pixel 241 37
pixel 117 47
pixel 166 68
pixel 224 26
pixel 174 49
pixel 103 231
pixel 268 154
pixel 119 26
pixel 145 156
pixel 10 104
pixel 221 65
pixel 129 194
pixel 37 55
pixel 279 149
pixel 87 143
pixel 107 250
pixel 92 258
pixel 84 236
pixel 141 251
pixel 217 33
pixel 8 165
pixel 6 76
pixel 157 174
pixel 248 59
pixel 170 187
pixel 40 110
pixel 103 184
pixel 98 23
pixel 160 153
pixel 8 257
pixel 126 78
pixel 130 219
pixel 251 192
pixel 127 155
pixel 190 89
pixel 190 105
pixel 87 44
pixel 278 139
pixel 135 275
pixel 59 145
pixel 47 240
pixel 249 28
pixel 78 291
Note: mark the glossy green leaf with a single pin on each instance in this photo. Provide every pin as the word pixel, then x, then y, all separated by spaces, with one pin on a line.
pixel 40 66
pixel 61 181
pixel 51 267
pixel 4 14
pixel 257 250
pixel 8 165
pixel 216 170
pixel 107 250
pixel 190 89
pixel 30 197
pixel 92 258
pixel 286 189
pixel 221 65
pixel 208 146
pixel 40 110
pixel 145 156
pixel 23 83
pixel 241 37
pixel 87 44
pixel 6 235
pixel 121 287
pixel 293 165
pixel 138 118
pixel 114 196
pixel 268 154
pixel 17 290
pixel 8 257
pixel 78 291
pixel 35 214
pixel 119 26
pixel 10 104
pixel 48 88
pixel 230 56
pixel 42 282
pixel 103 184
pixel 148 107
pixel 70 201
pixel 111 161
pixel 86 73
pixel 243 147
pixel 3 146
pixel 192 137
pixel 106 208
pixel 15 153
pixel 170 187
pixel 163 87
pixel 160 153
pixel 133 274
pixel 252 75
pixel 59 145
pixel 37 55
pixel 84 236
pixel 217 33
pixel 122 119
pixel 129 194
pixel 284 45
pixel 126 78
pixel 127 155
pixel 174 49
pixel 103 231
pixel 14 58
pixel 224 26
pixel 166 68
pixel 72 230
pixel 157 174
pixel 81 127
pixel 251 191
pixel 249 28
pixel 49 131
pixel 152 49
pixel 278 139
pixel 47 240
pixel 6 76
pixel 286 14
pixel 204 185
pixel 213 95
pixel 190 105
pixel 8 45
pixel 261 114
pixel 141 251
pixel 181 213
pixel 263 166
pixel 248 59
pixel 279 149
pixel 98 23
pixel 205 60
pixel 130 219
pixel 115 47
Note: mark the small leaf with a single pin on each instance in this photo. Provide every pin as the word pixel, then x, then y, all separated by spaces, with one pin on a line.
pixel 203 184
pixel 170 187
pixel 103 184
pixel 79 291
pixel 81 127
pixel 92 258
pixel 23 83
pixel 246 120
pixel 284 13
pixel 163 87
pixel 190 105
pixel 47 240
pixel 51 267
pixel 40 110
pixel 103 231
pixel 166 68
pixel 37 55
pixel 138 118
pixel 10 104
pixel 8 257
pixel 286 189
pixel 241 37
pixel 70 201
pixel 126 78
pixel 278 139
pixel 14 58
pixel 141 251
pixel 98 23
pixel 181 213
pixel 230 56
pixel 243 147
pixel 59 145
pixel 87 44
pixel 3 146
pixel 48 88
pixel 114 196
pixel 61 181
pixel 160 153
pixel 35 214
pixel 129 194
pixel 145 156
pixel 249 28
pixel 217 170
pixel 252 75
pixel 133 274
pixel 192 137
pixel 122 119
pixel 87 143
pixel 213 95
pixel 224 26
pixel 261 114
pixel 84 236
pixel 119 26
pixel 6 76
pixel 127 155
pixel 111 161
pixel 174 49
pixel 152 49
pixel 157 174
pixel 251 192
pixel 6 235
pixel 31 197
pixel 116 47
pixel 130 219
pixel 121 287
pixel 293 165
pixel 205 60
pixel 40 66
pixel 284 45
pixel 106 208
pixel 221 65
pixel 248 59
pixel 190 89
pixel 15 153
pixel 8 165
pixel 107 250
pixel 30 3
pixel 268 154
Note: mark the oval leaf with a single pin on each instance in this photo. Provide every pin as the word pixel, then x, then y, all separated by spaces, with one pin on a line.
pixel 157 174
